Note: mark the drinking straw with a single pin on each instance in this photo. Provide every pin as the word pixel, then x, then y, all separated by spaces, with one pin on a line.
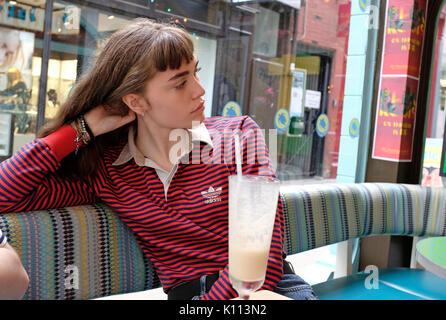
pixel 238 156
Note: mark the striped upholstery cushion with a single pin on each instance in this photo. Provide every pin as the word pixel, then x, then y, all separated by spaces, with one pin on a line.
pixel 92 243
pixel 318 215
pixel 78 253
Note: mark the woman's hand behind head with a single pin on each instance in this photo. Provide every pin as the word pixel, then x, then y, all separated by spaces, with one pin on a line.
pixel 101 121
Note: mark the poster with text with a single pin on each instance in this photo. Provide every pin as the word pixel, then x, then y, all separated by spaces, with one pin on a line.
pixel 395 119
pixel 399 81
pixel 404 37
pixel 298 86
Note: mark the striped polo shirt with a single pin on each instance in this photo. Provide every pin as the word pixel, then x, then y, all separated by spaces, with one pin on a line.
pixel 184 232
pixel 185 139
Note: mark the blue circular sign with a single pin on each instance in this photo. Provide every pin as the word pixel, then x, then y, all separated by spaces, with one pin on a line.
pixel 322 125
pixel 232 109
pixel 363 4
pixel 282 121
pixel 353 128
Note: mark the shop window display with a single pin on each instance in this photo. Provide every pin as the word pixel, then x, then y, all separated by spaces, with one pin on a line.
pixel 281 62
pixel 16 49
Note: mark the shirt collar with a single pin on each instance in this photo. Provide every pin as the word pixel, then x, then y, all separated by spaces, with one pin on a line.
pixel 130 150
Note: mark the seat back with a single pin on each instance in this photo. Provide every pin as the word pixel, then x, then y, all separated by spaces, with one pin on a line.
pixel 323 214
pixel 79 252
pixel 86 251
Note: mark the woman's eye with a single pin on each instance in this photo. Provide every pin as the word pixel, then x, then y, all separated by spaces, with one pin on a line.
pixel 181 85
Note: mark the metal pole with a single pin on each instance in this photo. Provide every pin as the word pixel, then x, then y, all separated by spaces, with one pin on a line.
pixel 44 67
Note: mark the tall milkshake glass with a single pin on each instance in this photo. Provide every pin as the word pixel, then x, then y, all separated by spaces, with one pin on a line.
pixel 252 210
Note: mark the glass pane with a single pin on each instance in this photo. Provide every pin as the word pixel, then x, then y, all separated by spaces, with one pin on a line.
pixel 203 11
pixel 206 52
pixel 274 62
pixel 77 31
pixel 285 65
pixel 436 118
pixel 21 32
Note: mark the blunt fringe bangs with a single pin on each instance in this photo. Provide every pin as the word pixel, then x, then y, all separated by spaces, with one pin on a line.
pixel 170 48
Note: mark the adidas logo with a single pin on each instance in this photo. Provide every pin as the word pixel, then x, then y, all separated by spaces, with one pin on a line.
pixel 211 195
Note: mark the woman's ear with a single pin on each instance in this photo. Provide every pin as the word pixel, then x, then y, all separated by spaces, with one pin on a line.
pixel 135 103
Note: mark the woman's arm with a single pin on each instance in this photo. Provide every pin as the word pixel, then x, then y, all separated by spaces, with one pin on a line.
pixel 13 277
pixel 255 161
pixel 28 180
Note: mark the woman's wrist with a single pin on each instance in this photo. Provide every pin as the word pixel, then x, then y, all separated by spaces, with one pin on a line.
pixel 90 119
pixel 83 133
pixel 62 141
pixel 88 129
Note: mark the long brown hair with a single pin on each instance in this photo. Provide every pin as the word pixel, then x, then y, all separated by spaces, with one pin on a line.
pixel 129 58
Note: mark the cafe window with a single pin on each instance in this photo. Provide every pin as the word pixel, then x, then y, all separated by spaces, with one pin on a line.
pixel 21 31
pixel 281 62
pixel 78 31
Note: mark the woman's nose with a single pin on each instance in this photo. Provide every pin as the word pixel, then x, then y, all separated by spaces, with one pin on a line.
pixel 199 90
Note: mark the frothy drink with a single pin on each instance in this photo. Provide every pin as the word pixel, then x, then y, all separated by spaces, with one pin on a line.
pixel 252 210
pixel 248 264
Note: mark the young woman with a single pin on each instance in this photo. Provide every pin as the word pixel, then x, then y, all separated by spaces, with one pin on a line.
pixel 13 277
pixel 133 135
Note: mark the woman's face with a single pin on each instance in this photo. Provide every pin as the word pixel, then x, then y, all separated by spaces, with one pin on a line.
pixel 174 98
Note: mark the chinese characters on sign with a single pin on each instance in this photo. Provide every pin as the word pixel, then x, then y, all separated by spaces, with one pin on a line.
pixel 400 70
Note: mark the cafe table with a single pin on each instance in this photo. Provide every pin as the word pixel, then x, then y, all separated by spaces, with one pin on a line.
pixel 431 254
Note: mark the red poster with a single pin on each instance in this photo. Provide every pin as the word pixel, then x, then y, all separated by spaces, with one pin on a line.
pixel 395 119
pixel 343 20
pixel 404 37
pixel 395 113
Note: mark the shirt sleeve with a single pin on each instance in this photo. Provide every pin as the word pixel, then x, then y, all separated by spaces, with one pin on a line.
pixel 3 239
pixel 256 161
pixel 28 180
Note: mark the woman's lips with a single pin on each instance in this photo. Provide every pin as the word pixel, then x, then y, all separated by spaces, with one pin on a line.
pixel 199 108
